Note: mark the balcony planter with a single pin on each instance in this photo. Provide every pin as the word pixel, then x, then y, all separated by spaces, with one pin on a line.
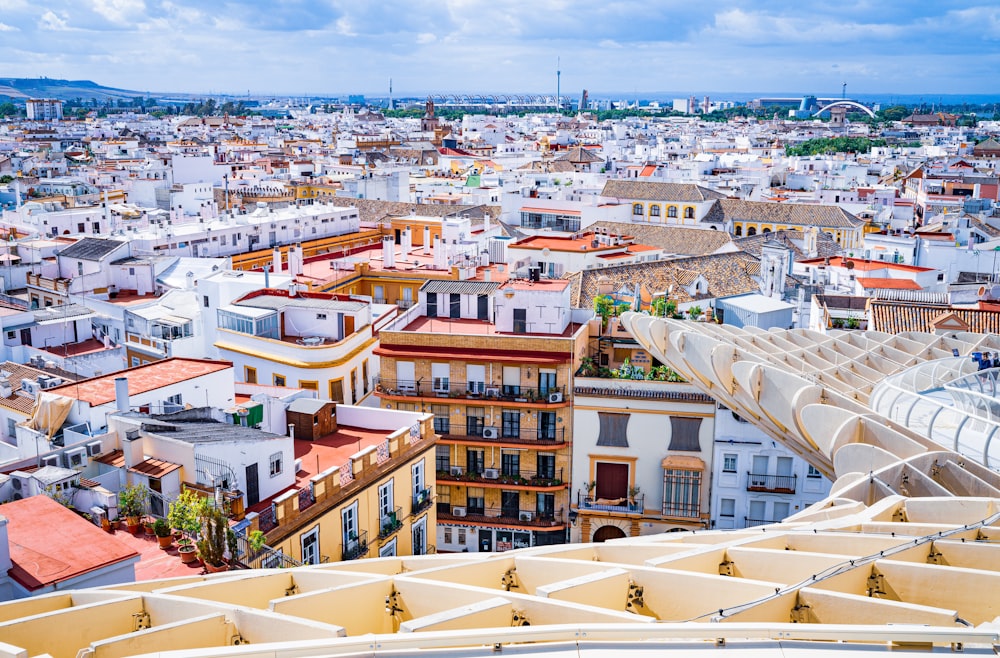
pixel 162 531
pixel 188 551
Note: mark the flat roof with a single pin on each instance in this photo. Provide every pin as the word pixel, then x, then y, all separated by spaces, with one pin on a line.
pixel 141 379
pixel 51 544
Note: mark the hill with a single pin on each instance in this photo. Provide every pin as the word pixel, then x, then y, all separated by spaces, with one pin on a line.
pixel 21 89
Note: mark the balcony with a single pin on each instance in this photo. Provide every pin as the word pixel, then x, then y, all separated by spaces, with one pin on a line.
pixel 522 478
pixel 390 523
pixel 472 391
pixel 356 546
pixel 548 438
pixel 421 501
pixel 58 285
pixel 753 523
pixel 623 505
pixel 771 483
pixel 506 516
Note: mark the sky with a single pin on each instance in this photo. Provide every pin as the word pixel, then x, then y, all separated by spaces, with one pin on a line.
pixel 321 47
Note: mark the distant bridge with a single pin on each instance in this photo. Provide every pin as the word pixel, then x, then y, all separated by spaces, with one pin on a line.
pixel 846 103
pixel 498 101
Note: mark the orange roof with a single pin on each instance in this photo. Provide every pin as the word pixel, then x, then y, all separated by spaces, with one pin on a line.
pixel 885 283
pixel 50 544
pixel 648 170
pixel 154 468
pixel 141 379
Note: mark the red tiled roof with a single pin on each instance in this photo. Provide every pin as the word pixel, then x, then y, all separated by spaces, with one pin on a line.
pixel 141 379
pixel 50 544
pixel 154 468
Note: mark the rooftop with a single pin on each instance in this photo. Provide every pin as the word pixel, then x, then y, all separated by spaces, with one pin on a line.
pixel 141 379
pixel 90 249
pixel 50 544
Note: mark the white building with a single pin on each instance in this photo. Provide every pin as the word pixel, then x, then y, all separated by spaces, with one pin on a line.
pixel 44 109
pixel 756 480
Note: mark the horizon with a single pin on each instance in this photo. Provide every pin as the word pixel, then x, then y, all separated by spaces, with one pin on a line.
pixel 461 46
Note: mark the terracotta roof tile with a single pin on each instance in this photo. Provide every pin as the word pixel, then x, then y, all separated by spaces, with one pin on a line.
pixel 653 191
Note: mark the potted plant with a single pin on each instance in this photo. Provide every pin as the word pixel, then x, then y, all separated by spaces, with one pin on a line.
pixel 183 515
pixel 633 493
pixel 147 526
pixel 255 540
pixel 162 531
pixel 212 545
pixel 187 550
pixel 589 486
pixel 132 505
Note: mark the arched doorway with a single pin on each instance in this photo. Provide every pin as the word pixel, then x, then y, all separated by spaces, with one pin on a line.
pixel 606 532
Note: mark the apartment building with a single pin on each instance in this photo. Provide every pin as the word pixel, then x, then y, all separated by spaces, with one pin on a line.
pixel 362 490
pixel 755 479
pixel 316 341
pixel 493 363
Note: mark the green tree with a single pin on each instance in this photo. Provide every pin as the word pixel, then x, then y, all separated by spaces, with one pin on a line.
pixel 8 109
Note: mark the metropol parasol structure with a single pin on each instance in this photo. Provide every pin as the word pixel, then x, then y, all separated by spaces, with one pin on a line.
pixel 903 556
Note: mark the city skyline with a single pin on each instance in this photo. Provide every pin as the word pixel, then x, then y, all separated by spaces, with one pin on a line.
pixel 298 47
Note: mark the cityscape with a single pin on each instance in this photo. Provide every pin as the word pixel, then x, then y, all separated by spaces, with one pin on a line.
pixel 478 364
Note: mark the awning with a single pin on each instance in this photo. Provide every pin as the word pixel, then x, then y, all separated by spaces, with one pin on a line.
pixel 174 320
pixel 683 462
pixel 68 318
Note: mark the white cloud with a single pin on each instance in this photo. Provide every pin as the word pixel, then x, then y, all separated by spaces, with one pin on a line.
pixel 7 28
pixel 119 11
pixel 53 22
pixel 426 37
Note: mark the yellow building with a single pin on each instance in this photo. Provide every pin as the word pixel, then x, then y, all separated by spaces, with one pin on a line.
pixel 362 491
pixel 494 365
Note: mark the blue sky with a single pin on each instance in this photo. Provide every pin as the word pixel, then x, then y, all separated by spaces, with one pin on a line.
pixel 340 46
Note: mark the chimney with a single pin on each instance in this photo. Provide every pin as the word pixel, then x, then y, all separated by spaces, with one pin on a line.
pixel 407 237
pixel 486 224
pixel 440 257
pixel 427 241
pixel 388 251
pixel 121 394
pixel 276 260
pixel 292 289
pixel 189 278
pixel 291 431
pixel 295 260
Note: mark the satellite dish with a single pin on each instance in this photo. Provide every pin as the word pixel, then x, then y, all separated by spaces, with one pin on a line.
pixel 849 264
pixel 546 252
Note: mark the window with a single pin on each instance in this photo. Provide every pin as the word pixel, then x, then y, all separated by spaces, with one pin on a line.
pixel 441 377
pixel 546 382
pixel 442 458
pixel 131 271
pixel 728 463
pixel 278 380
pixel 461 536
pixel 727 507
pixel 689 213
pixel 447 535
pixel 545 505
pixel 684 434
pixel 249 375
pixel 654 210
pixel 475 377
pixel 681 493
pixel 612 480
pixel 309 385
pixel 442 418
pixel 476 500
pixel 758 512
pixel 10 335
pixel 175 399
pixel 546 426
pixel 310 546
pixel 738 231
pixel 474 458
pixel 337 390
pixel 613 429
pixel 475 421
pixel 813 473
pixel 11 427
pixel 546 463
pixel 511 423
pixel 364 375
pixel 79 266
pixel 672 212
pixel 417 477
pixel 204 301
pixel 510 462
pixel 511 380
pixel 135 361
pixel 275 464
pixel 780 511
pixel 637 209
pixel 321 316
pixel 406 379
pixel 385 503
pixel 349 527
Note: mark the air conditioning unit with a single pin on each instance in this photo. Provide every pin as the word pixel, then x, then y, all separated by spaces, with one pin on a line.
pixel 94 448
pixel 555 397
pixel 491 433
pixel 76 458
pixel 491 473
pixel 456 470
pixel 526 516
pixel 30 387
pixel 458 511
pixel 50 460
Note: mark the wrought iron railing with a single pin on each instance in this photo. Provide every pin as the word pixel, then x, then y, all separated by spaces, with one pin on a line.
pixel 266 519
pixel 390 523
pixel 750 523
pixel 421 501
pixel 633 504
pixel 506 515
pixel 445 388
pixel 490 434
pixel 521 477
pixel 356 547
pixel 264 557
pixel 771 483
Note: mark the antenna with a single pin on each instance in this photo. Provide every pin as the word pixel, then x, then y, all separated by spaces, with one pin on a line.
pixel 843 91
pixel 558 84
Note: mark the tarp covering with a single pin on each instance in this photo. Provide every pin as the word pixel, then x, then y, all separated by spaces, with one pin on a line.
pixel 50 413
